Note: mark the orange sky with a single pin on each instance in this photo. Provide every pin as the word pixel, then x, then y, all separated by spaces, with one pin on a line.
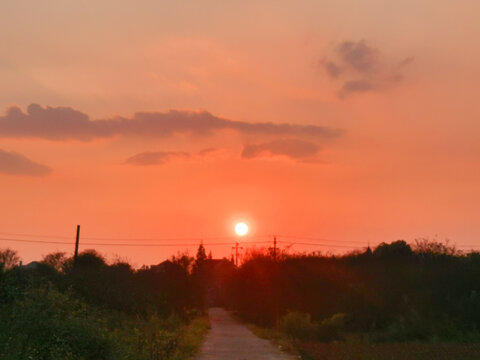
pixel 380 102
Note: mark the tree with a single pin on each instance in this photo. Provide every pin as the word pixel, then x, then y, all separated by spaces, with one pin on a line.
pixel 184 260
pixel 9 258
pixel 424 246
pixel 55 260
pixel 201 256
pixel 90 259
pixel 396 249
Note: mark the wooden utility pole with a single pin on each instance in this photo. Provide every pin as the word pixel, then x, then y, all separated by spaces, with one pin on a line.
pixel 76 246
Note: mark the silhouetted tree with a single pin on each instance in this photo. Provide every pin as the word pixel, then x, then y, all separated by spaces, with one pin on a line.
pixel 56 260
pixel 396 249
pixel 201 256
pixel 184 260
pixel 9 258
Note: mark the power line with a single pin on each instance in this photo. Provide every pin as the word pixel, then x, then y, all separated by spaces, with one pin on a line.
pixel 124 244
pixel 320 239
pixel 317 244
pixel 37 236
pixel 200 238
pixel 179 239
pixel 134 238
pixel 132 242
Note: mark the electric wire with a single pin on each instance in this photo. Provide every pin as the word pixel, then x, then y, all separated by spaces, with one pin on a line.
pixel 193 241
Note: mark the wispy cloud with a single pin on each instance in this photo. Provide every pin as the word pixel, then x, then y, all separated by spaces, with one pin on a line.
pixel 149 158
pixel 291 148
pixel 12 163
pixel 156 157
pixel 64 123
pixel 360 67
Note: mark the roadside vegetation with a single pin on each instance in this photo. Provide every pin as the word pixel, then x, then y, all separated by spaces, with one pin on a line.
pixel 396 301
pixel 53 310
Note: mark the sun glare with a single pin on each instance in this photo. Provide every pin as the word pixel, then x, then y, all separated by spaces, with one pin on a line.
pixel 241 229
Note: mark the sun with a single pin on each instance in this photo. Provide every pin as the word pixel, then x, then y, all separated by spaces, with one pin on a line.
pixel 241 229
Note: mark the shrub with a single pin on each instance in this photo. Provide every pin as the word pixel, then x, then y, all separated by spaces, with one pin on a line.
pixel 298 325
pixel 329 328
pixel 47 324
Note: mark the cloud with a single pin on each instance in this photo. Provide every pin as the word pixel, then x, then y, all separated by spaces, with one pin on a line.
pixel 156 158
pixel 361 68
pixel 407 61
pixel 149 158
pixel 332 69
pixel 353 86
pixel 64 123
pixel 291 148
pixel 359 55
pixel 208 152
pixel 16 164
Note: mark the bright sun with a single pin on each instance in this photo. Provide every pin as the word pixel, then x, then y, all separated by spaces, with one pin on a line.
pixel 241 229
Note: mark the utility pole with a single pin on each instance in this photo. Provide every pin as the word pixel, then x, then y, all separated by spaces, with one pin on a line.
pixel 76 246
pixel 236 253
pixel 274 248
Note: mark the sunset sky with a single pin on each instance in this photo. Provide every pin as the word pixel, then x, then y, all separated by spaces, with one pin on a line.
pixel 351 121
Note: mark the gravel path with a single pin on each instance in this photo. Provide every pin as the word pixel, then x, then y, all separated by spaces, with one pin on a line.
pixel 230 340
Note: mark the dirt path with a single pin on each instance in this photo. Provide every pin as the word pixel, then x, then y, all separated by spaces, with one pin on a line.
pixel 230 340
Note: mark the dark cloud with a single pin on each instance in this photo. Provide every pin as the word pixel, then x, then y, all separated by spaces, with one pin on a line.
pixel 16 164
pixel 361 68
pixel 332 69
pixel 59 123
pixel 292 148
pixel 359 55
pixel 64 123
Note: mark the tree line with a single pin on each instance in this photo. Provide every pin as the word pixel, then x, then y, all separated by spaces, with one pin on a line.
pixel 92 309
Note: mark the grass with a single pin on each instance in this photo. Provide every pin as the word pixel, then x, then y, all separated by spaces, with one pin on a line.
pixel 278 339
pixel 159 339
pixel 387 351
pixel 355 348
pixel 191 338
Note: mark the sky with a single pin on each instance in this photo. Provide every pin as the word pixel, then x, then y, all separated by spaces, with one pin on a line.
pixel 341 123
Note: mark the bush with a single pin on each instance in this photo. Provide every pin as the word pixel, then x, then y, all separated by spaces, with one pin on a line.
pixel 47 324
pixel 298 326
pixel 329 328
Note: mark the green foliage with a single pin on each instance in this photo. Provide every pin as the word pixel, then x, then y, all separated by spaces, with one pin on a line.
pixel 52 310
pixel 298 325
pixel 337 320
pixel 428 292
pixel 46 324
